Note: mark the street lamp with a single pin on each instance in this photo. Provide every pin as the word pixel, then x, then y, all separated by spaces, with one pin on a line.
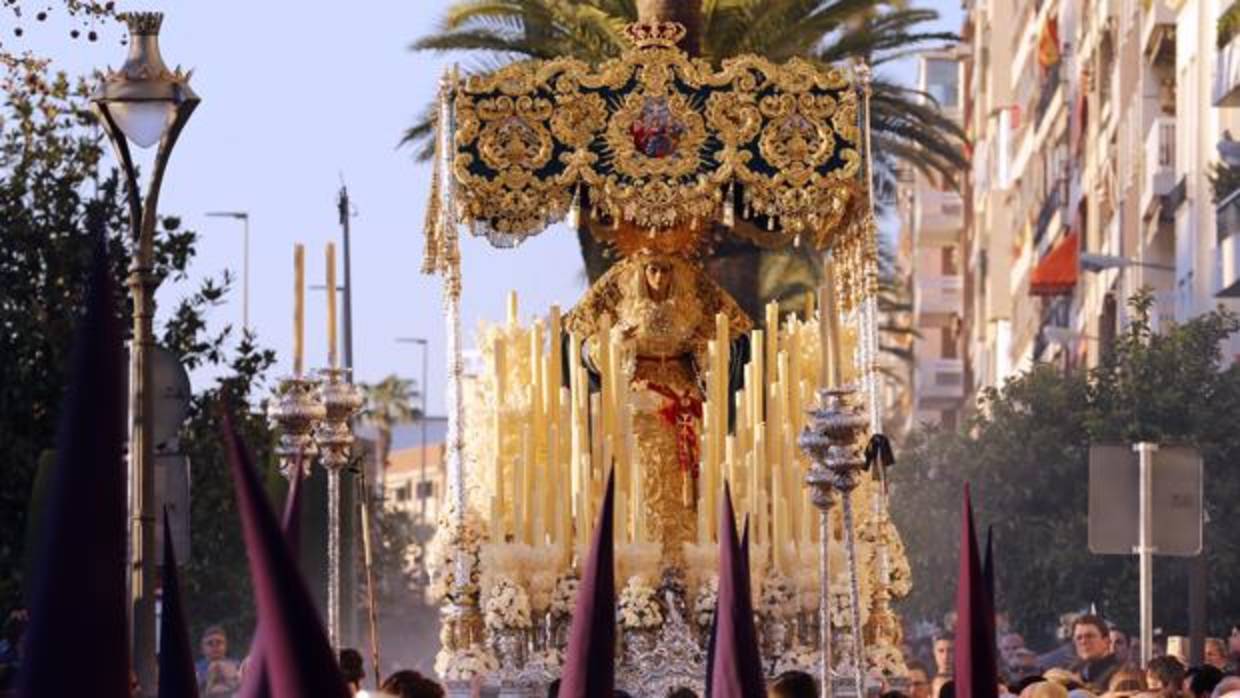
pixel 144 103
pixel 244 217
pixel 422 494
pixel 1096 263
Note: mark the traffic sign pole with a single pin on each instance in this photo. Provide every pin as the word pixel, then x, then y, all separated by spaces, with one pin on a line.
pixel 1144 549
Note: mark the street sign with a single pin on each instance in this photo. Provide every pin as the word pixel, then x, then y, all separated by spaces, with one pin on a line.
pixel 1175 503
pixel 172 491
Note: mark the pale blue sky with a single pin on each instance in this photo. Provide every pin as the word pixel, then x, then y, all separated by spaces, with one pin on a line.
pixel 293 96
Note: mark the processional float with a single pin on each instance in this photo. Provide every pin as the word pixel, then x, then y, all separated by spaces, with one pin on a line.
pixel 657 371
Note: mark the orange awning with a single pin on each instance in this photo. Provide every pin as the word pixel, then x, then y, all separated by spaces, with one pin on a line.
pixel 1056 274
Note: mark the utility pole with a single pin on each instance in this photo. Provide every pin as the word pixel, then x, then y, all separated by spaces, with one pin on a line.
pixel 422 493
pixel 345 210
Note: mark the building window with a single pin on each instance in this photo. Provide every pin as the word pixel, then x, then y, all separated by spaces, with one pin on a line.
pixel 947 343
pixel 950 265
pixel 943 82
pixel 403 492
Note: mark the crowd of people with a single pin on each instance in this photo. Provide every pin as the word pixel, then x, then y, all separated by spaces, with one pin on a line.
pixel 1095 660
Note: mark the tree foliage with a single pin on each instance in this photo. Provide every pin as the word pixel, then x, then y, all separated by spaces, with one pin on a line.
pixel 56 197
pixel 1026 455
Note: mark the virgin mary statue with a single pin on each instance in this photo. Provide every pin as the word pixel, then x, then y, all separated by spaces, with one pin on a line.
pixel 662 305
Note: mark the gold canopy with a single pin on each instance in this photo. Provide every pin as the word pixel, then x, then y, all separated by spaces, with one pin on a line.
pixel 659 140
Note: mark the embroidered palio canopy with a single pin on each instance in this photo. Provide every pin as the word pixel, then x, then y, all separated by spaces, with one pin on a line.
pixel 658 140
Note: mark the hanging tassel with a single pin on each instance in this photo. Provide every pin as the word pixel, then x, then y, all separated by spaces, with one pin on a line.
pixel 729 207
pixel 574 210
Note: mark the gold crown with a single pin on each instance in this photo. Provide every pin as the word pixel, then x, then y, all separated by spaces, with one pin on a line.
pixel 650 34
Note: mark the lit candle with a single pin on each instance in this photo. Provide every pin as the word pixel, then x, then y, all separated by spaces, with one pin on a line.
pixel 299 301
pixel 512 309
pixel 518 499
pixel 529 531
pixel 331 305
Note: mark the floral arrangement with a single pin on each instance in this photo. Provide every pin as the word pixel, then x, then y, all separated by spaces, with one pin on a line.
pixel 465 664
pixel 564 596
pixel 453 545
pixel 886 660
pixel 638 608
pixel 798 658
pixel 507 606
pixel 704 603
pixel 779 597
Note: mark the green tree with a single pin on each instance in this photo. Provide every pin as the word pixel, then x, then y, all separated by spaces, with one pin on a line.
pixel 387 404
pixel 908 126
pixel 56 197
pixel 1026 456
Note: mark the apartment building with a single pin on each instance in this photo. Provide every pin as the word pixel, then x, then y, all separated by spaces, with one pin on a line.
pixel 932 216
pixel 1093 126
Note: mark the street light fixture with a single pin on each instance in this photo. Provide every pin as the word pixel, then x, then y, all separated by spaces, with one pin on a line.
pixel 244 217
pixel 1096 263
pixel 144 103
pixel 422 494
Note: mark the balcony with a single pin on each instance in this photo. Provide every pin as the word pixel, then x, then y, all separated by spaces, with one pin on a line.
pixel 1158 33
pixel 1051 205
pixel 1227 219
pixel 1159 164
pixel 1227 75
pixel 938 217
pixel 941 296
pixel 940 383
pixel 1050 87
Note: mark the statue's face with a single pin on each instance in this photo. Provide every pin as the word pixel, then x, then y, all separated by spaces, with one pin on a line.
pixel 657 276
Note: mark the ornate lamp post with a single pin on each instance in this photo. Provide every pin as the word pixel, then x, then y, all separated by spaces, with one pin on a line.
pixel 340 400
pixel 834 440
pixel 147 104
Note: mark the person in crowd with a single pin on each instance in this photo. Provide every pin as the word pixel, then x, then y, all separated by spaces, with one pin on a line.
pixel 1024 662
pixel 219 676
pixel 1127 681
pixel 1165 675
pixel 1229 685
pixel 1199 681
pixel 1120 647
pixel 1233 649
pixel 352 669
pixel 944 656
pixel 892 694
pixel 1215 653
pixel 1008 645
pixel 947 690
pixel 678 693
pixel 1044 689
pixel 1096 663
pixel 1063 656
pixel 793 684
pixel 1064 678
pixel 1019 687
pixel 411 684
pixel 11 646
pixel 918 680
pixel 553 689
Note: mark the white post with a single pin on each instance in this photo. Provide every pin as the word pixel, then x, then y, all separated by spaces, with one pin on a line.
pixel 1145 550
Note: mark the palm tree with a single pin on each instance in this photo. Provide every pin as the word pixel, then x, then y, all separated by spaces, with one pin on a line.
pixel 388 403
pixel 908 127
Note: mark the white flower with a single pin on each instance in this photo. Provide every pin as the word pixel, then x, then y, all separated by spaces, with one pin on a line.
pixel 639 606
pixel 465 664
pixel 704 604
pixel 885 659
pixel 507 606
pixel 564 597
pixel 778 597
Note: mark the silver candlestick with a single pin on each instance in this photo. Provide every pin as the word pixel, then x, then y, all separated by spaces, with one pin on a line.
pixel 296 411
pixel 833 440
pixel 334 437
